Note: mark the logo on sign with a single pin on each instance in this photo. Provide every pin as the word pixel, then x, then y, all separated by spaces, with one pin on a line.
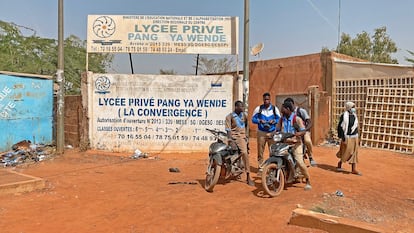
pixel 102 84
pixel 104 27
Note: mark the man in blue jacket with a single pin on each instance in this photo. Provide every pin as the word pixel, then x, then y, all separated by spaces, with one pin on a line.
pixel 266 116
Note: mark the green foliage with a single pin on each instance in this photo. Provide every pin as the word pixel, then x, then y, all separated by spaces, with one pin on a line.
pixel 377 48
pixel 168 72
pixel 325 50
pixel 30 54
pixel 411 60
pixel 75 63
pixel 35 55
pixel 215 66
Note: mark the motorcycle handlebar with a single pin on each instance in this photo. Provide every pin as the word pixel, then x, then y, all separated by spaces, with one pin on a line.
pixel 217 132
pixel 282 137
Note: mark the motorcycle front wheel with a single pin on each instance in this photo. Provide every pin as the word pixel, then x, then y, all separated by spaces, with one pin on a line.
pixel 213 175
pixel 273 180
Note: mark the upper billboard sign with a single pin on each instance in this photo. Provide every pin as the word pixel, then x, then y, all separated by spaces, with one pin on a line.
pixel 162 34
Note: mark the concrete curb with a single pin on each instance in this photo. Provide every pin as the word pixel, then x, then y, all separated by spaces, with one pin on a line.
pixel 20 183
pixel 329 223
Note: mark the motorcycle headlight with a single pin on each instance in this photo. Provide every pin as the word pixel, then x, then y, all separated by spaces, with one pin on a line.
pixel 277 137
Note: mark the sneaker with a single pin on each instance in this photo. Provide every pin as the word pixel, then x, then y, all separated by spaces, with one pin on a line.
pixel 259 171
pixel 308 187
pixel 356 173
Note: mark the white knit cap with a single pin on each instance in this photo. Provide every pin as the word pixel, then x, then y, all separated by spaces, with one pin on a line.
pixel 349 105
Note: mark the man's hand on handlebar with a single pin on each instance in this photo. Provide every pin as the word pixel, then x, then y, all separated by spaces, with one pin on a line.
pixel 292 140
pixel 300 133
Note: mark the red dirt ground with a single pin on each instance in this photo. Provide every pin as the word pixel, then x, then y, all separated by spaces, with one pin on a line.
pixel 102 192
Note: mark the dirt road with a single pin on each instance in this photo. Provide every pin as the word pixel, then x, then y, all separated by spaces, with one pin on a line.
pixel 102 192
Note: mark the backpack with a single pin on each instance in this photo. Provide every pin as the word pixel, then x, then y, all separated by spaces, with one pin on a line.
pixel 299 114
pixel 262 107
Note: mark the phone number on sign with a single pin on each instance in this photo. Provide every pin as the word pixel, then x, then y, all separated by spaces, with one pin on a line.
pixel 165 137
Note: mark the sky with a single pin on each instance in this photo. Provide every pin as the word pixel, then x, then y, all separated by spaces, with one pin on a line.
pixel 285 27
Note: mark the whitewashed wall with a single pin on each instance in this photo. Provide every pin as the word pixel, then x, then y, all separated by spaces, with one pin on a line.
pixel 156 113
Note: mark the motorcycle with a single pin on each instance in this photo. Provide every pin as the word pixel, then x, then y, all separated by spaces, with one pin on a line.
pixel 280 168
pixel 225 160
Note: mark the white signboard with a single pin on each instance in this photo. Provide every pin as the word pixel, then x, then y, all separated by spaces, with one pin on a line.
pixel 162 34
pixel 156 113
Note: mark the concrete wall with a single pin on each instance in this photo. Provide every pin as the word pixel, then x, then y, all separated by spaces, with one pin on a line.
pixel 311 81
pixel 156 113
pixel 290 76
pixel 76 122
pixel 283 76
pixel 308 79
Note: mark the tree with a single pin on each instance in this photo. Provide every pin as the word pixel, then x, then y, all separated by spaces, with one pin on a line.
pixel 35 55
pixel 325 50
pixel 410 59
pixel 170 72
pixel 378 50
pixel 215 66
pixel 25 54
pixel 75 63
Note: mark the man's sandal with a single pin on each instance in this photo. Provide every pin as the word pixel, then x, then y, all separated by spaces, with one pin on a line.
pixel 356 173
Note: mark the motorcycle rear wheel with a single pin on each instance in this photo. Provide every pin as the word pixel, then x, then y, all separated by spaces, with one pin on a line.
pixel 270 183
pixel 212 176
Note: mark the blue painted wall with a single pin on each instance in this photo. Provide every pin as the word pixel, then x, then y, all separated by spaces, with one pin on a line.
pixel 26 110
